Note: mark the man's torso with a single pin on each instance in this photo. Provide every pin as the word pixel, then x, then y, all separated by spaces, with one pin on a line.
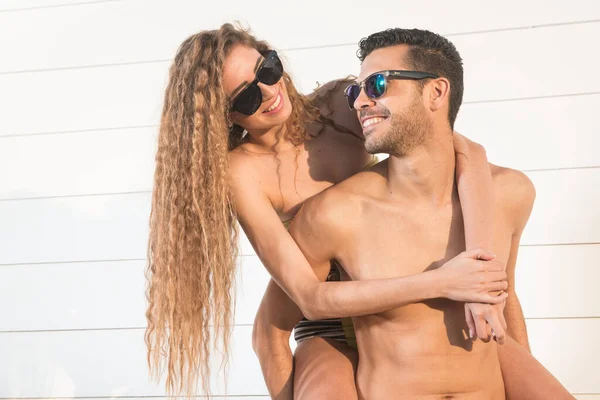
pixel 422 350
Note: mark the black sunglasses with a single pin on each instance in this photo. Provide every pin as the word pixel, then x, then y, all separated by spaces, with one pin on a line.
pixel 375 85
pixel 249 99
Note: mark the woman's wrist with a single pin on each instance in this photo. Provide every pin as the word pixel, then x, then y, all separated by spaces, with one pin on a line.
pixel 431 285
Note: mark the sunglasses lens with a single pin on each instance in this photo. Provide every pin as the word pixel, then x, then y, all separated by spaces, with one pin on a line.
pixel 352 93
pixel 248 101
pixel 271 71
pixel 375 86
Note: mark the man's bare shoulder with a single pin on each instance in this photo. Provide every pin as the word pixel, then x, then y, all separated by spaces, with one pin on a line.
pixel 512 183
pixel 514 192
pixel 340 207
pixel 334 210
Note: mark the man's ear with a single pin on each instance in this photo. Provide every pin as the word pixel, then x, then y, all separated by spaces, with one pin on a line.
pixel 439 92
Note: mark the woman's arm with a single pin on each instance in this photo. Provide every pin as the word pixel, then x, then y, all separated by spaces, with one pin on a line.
pixel 460 280
pixel 477 199
pixel 476 192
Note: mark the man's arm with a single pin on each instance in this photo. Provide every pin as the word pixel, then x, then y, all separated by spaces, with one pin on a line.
pixel 273 325
pixel 519 197
pixel 513 313
pixel 525 377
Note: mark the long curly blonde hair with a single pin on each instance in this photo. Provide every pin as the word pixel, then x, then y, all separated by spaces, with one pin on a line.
pixel 193 230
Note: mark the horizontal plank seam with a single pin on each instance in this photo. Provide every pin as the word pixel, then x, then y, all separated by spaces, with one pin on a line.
pixel 80 131
pixel 83 3
pixel 240 255
pixel 553 96
pixel 131 328
pixel 560 244
pixel 74 262
pixel 87 261
pixel 69 196
pixel 219 396
pixel 138 328
pixel 479 32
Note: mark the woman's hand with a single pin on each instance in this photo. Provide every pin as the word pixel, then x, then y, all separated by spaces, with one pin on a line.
pixel 484 320
pixel 472 277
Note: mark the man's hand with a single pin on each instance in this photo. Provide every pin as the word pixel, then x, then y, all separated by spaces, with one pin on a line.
pixel 480 316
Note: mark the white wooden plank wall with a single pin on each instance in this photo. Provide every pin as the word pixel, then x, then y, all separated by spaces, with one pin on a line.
pixel 81 86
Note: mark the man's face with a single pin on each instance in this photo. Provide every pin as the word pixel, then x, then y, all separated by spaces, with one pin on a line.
pixel 398 121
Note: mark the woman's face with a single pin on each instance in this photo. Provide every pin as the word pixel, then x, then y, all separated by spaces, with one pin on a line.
pixel 239 71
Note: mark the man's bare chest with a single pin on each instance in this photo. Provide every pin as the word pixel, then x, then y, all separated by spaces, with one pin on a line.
pixel 394 244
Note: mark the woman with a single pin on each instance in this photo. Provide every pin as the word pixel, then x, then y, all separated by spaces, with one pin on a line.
pixel 237 140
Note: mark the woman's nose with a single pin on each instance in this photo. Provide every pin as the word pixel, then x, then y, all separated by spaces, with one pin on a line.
pixel 268 92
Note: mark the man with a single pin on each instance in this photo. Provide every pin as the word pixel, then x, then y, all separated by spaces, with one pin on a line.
pixel 406 210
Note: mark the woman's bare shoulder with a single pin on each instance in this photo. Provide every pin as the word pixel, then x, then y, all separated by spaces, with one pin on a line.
pixel 242 166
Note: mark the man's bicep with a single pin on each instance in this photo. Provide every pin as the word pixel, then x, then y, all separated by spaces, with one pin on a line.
pixel 522 197
pixel 512 263
pixel 513 313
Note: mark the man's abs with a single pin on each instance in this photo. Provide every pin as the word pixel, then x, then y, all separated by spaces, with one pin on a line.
pixel 422 351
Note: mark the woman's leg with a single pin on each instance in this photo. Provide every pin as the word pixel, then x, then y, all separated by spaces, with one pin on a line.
pixel 324 369
pixel 525 378
pixel 320 369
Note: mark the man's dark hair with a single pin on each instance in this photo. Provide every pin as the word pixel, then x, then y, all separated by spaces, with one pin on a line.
pixel 429 52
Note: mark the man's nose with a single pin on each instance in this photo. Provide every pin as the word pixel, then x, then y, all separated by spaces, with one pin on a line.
pixel 363 101
pixel 268 92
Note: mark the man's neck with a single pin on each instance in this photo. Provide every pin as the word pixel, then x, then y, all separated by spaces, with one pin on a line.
pixel 427 172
